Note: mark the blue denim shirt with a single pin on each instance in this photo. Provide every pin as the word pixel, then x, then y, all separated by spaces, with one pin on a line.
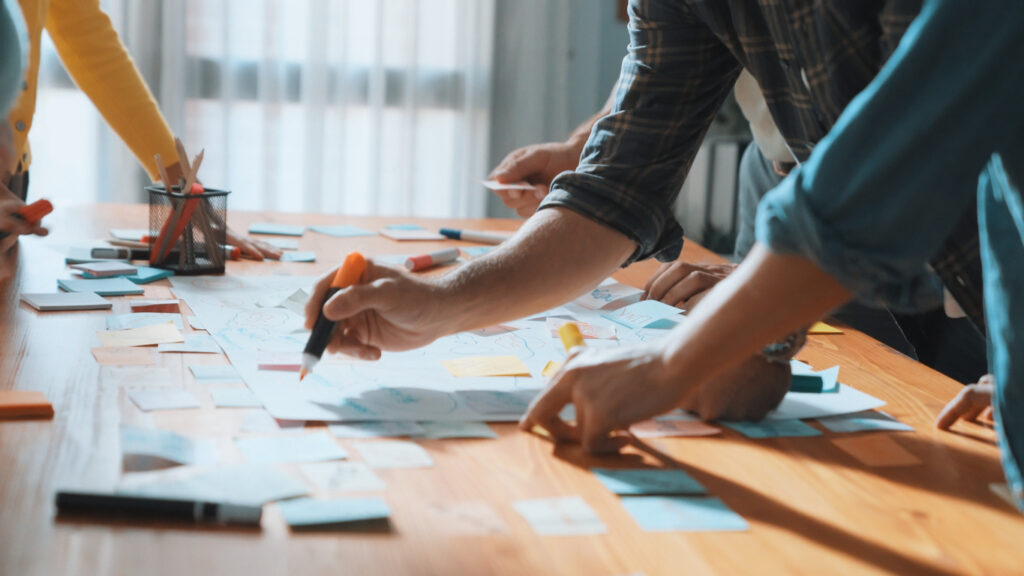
pixel 13 54
pixel 941 126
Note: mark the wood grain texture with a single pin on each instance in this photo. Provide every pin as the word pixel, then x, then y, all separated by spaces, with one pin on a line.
pixel 812 508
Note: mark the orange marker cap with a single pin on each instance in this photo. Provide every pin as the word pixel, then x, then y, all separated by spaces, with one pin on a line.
pixel 197 188
pixel 35 211
pixel 350 271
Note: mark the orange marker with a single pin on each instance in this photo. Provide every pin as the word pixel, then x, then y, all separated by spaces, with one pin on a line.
pixel 33 212
pixel 348 274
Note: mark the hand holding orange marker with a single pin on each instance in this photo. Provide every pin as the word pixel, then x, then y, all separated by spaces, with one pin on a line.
pixel 348 274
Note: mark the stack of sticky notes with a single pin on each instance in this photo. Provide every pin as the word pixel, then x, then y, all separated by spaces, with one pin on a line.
pixel 105 269
pixel 24 404
pixel 101 286
pixel 64 301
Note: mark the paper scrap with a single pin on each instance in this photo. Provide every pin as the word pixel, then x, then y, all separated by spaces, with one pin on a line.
pixel 486 366
pixel 683 514
pixel 305 448
pixel 234 398
pixel 249 484
pixel 774 429
pixel 194 344
pixel 145 336
pixel 298 257
pixel 823 328
pixel 343 477
pixel 394 454
pixel 150 399
pixel 411 235
pixel 124 356
pixel 864 421
pixel 639 481
pixel 672 429
pixel 276 229
pixel 310 513
pixel 215 373
pixel 147 448
pixel 878 450
pixel 495 185
pixel 342 231
pixel 642 314
pixel 844 400
pixel 384 429
pixel 560 516
pixel 101 286
pixel 65 301
pixel 455 429
pixel 141 320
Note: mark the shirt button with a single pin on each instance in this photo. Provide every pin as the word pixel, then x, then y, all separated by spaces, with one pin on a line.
pixel 20 125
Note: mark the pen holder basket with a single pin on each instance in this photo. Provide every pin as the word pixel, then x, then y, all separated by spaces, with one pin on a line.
pixel 188 233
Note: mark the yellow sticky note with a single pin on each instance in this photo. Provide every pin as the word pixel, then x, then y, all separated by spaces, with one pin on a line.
pixel 551 368
pixel 126 356
pixel 822 328
pixel 145 336
pixel 486 366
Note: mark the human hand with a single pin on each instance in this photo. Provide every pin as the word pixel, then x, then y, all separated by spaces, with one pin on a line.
pixel 747 392
pixel 973 401
pixel 388 310
pixel 253 247
pixel 611 389
pixel 12 224
pixel 684 284
pixel 7 153
pixel 537 165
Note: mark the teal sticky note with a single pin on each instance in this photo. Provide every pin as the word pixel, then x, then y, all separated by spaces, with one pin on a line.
pixel 100 286
pixel 864 422
pixel 683 514
pixel 276 229
pixel 642 313
pixel 305 448
pixel 298 257
pixel 342 231
pixel 145 275
pixel 309 512
pixel 404 227
pixel 477 251
pixel 639 481
pixel 774 429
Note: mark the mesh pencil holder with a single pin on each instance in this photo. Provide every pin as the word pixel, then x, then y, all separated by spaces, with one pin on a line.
pixel 188 233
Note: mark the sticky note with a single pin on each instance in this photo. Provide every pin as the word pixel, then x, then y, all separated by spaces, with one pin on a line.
pixel 150 399
pixel 551 368
pixel 384 429
pixel 341 231
pixel 486 366
pixel 276 229
pixel 105 269
pixel 124 356
pixel 495 185
pixel 610 295
pixel 456 429
pixel 100 286
pixel 145 275
pixel 195 323
pixel 298 257
pixel 282 243
pixel 305 448
pixel 215 373
pixel 587 330
pixel 864 421
pixel 642 313
pixel 404 227
pixel 137 376
pixel 24 404
pixel 476 251
pixel 131 234
pixel 394 454
pixel 145 445
pixel 309 513
pixel 64 301
pixel 249 484
pixel 672 428
pixel 499 402
pixel 141 319
pixel 262 421
pixel 560 516
pixel 234 398
pixel 823 328
pixel 145 336
pixel 342 477
pixel 146 305
pixel 464 518
pixel 877 450
pixel 193 344
pixel 683 514
pixel 774 429
pixel 638 481
pixel 411 235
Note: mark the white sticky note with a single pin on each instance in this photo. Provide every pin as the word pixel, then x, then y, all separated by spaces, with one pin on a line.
pixel 145 336
pixel 215 373
pixel 141 448
pixel 394 454
pixel 298 257
pixel 261 421
pixel 64 301
pixel 193 344
pixel 382 429
pixel 141 320
pixel 305 448
pixel 495 185
pixel 234 398
pixel 454 429
pixel 150 399
pixel 342 477
pixel 560 516
pixel 276 229
pixel 309 513
pixel 101 286
pixel 642 314
pixel 610 295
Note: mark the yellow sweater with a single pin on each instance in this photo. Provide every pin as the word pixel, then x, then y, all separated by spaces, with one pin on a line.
pixel 96 59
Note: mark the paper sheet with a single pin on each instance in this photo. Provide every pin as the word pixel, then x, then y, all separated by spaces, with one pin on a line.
pixel 151 399
pixel 774 429
pixel 610 295
pixel 464 518
pixel 146 448
pixel 486 366
pixel 145 336
pixel 560 516
pixel 141 320
pixel 251 484
pixel 276 229
pixel 394 454
pixel 307 513
pixel 303 448
pixel 683 514
pixel 648 481
pixel 672 429
pixel 343 477
pixel 450 429
pixel 234 398
pixel 342 231
pixel 298 257
pixel 411 235
pixel 259 421
pixel 214 373
pixel 137 376
pixel 193 344
pixel 864 421
pixel 376 430
pixel 101 286
pixel 643 314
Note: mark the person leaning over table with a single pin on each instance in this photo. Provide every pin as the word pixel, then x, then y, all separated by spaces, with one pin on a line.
pixel 862 216
pixel 616 208
pixel 96 59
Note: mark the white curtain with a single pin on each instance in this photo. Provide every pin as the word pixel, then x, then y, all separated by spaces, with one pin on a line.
pixel 337 106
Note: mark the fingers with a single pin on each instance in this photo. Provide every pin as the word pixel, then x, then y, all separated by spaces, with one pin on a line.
pixel 967 405
pixel 258 248
pixel 347 342
pixel 314 304
pixel 521 164
pixel 545 408
pixel 379 295
pixel 674 273
pixel 690 289
pixel 650 281
pixel 595 433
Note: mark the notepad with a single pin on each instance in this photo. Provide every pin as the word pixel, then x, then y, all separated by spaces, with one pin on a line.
pixel 877 450
pixel 276 229
pixel 864 421
pixel 142 319
pixel 193 344
pixel 234 398
pixel 384 429
pixel 411 235
pixel 394 454
pixel 24 404
pixel 774 429
pixel 342 477
pixel 486 366
pixel 341 231
pixel 315 513
pixel 298 257
pixel 65 301
pixel 145 336
pixel 560 516
pixel 105 269
pixel 305 448
pixel 456 429
pixel 642 314
pixel 683 514
pixel 124 356
pixel 151 399
pixel 101 286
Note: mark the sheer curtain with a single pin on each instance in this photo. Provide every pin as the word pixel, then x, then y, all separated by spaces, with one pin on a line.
pixel 337 106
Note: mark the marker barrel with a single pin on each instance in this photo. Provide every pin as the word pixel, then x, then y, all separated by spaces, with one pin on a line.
pixel 424 261
pixel 476 236
pixel 350 272
pixel 158 508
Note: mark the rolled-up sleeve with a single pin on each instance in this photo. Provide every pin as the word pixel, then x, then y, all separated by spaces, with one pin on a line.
pixel 881 192
pixel 673 80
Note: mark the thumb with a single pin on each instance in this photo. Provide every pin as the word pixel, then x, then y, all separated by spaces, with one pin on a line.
pixel 355 299
pixel 522 167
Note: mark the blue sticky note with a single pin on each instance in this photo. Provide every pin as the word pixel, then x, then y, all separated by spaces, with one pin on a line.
pixel 638 481
pixel 774 429
pixel 276 229
pixel 477 251
pixel 298 257
pixel 404 227
pixel 309 512
pixel 864 422
pixel 342 231
pixel 145 275
pixel 683 514
pixel 642 313
pixel 100 286
pixel 305 448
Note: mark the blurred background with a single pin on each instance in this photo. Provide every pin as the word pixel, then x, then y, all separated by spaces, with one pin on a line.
pixel 395 107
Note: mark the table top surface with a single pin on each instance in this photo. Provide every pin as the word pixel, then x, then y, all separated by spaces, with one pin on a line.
pixel 810 506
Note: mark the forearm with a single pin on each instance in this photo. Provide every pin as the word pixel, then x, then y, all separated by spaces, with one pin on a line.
pixel 768 297
pixel 556 256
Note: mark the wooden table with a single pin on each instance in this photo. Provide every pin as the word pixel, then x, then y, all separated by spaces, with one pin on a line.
pixel 812 509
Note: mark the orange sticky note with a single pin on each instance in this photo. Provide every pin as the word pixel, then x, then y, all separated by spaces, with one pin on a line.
pixel 24 404
pixel 486 366
pixel 124 356
pixel 877 450
pixel 822 328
